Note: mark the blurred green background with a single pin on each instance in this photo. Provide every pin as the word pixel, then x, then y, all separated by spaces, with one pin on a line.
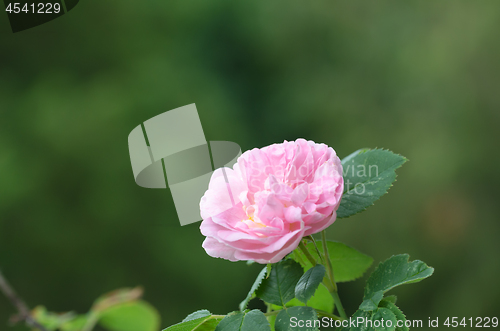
pixel 419 78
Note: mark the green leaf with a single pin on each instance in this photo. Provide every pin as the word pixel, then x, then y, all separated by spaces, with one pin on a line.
pixel 207 323
pixel 279 288
pixel 321 300
pixel 386 320
pixel 347 263
pixel 297 319
pixel 391 298
pixel 368 174
pixel 396 270
pixel 396 311
pixel 197 314
pixel 130 316
pixel 244 321
pixel 255 286
pixel 371 303
pixel 309 282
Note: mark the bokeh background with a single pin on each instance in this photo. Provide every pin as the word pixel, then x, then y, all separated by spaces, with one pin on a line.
pixel 419 78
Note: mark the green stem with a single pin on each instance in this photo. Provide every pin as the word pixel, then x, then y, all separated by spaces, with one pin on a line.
pixel 338 303
pixel 329 280
pixel 328 283
pixel 303 248
pixel 274 312
pixel 333 290
pixel 317 251
pixel 328 266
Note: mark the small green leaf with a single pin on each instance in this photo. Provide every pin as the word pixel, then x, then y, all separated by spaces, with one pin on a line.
pixel 244 321
pixel 391 298
pixel 279 288
pixel 208 323
pixel 396 270
pixel 196 315
pixel 386 320
pixel 397 312
pixel 255 286
pixel 130 316
pixel 368 174
pixel 371 303
pixel 297 319
pixel 309 282
pixel 348 264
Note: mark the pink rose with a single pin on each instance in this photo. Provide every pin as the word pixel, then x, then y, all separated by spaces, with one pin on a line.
pixel 272 198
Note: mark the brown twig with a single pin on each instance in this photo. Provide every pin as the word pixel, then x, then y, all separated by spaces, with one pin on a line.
pixel 22 308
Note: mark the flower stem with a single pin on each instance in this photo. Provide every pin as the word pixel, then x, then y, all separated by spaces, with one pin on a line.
pixel 329 280
pixel 327 259
pixel 274 312
pixel 22 308
pixel 338 303
pixel 303 248
pixel 317 251
pixel 333 289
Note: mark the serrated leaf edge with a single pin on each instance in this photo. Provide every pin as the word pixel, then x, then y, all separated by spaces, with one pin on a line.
pixel 310 271
pixel 388 188
pixel 206 318
pixel 260 278
pixel 407 261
